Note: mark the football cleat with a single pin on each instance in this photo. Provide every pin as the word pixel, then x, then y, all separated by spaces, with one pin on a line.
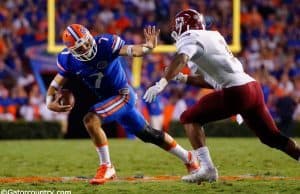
pixel 193 164
pixel 104 173
pixel 203 174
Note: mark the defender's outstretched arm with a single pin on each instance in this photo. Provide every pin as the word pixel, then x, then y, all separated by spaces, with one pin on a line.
pixel 179 61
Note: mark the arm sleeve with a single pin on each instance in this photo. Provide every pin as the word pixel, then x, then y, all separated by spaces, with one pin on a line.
pixel 114 43
pixel 62 69
pixel 193 67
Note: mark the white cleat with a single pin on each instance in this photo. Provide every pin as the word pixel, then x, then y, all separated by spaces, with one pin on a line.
pixel 203 174
pixel 193 164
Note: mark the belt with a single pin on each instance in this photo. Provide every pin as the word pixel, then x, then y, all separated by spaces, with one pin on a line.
pixel 124 91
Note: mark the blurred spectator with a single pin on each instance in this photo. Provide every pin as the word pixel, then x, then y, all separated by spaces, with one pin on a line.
pixel 285 110
pixel 106 16
pixel 144 6
pixel 286 84
pixel 3 47
pixel 180 105
pixel 21 24
pixel 7 105
pixel 155 110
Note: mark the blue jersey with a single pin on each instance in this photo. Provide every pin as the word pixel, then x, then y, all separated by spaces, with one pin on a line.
pixel 104 74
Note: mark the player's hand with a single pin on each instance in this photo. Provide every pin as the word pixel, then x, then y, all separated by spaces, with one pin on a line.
pixel 153 91
pixel 180 77
pixel 57 107
pixel 151 36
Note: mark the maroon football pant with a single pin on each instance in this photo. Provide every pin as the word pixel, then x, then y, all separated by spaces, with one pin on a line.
pixel 246 100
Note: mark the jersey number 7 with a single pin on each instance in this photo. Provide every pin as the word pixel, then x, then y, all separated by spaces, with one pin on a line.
pixel 98 80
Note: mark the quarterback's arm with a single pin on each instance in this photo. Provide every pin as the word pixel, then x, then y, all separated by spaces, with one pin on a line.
pixel 138 50
pixel 52 100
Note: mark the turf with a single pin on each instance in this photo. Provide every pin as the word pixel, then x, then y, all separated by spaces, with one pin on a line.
pixel 66 158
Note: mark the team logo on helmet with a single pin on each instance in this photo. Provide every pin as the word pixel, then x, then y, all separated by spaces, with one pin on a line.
pixel 187 20
pixel 83 30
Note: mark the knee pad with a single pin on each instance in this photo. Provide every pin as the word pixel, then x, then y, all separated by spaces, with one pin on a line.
pixel 278 140
pixel 150 135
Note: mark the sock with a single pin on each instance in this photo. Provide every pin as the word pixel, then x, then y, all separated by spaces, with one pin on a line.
pixel 103 154
pixel 179 152
pixel 204 157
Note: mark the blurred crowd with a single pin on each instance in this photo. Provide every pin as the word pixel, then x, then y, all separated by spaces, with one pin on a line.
pixel 23 23
pixel 270 35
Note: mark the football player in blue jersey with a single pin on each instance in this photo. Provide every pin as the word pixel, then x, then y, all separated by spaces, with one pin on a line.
pixel 96 61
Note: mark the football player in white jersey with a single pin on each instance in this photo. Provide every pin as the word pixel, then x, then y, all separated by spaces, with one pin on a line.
pixel 206 53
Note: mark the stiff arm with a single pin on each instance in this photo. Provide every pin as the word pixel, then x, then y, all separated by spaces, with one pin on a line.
pixel 138 50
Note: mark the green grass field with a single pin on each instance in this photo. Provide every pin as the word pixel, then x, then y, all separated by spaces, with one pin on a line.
pixel 69 158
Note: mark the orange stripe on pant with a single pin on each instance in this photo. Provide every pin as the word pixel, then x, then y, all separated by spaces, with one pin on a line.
pixel 109 103
pixel 115 109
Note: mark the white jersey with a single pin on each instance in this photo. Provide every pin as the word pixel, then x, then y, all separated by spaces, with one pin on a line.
pixel 209 51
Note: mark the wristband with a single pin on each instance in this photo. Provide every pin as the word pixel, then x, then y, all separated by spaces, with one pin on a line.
pixel 129 50
pixel 183 78
pixel 55 85
pixel 49 100
pixel 163 82
pixel 145 49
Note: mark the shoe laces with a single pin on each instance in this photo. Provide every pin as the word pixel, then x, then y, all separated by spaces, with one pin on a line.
pixel 101 170
pixel 192 164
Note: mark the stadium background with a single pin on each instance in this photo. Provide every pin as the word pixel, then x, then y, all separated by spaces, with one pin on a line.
pixel 270 43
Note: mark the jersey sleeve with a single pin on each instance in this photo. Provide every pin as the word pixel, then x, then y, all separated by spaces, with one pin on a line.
pixel 187 44
pixel 61 63
pixel 112 43
pixel 193 67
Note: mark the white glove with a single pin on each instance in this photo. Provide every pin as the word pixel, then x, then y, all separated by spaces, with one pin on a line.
pixel 239 119
pixel 153 91
pixel 180 77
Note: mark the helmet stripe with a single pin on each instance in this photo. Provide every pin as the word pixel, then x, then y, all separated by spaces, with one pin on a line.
pixel 73 33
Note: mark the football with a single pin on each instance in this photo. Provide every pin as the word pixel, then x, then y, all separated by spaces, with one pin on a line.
pixel 67 97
